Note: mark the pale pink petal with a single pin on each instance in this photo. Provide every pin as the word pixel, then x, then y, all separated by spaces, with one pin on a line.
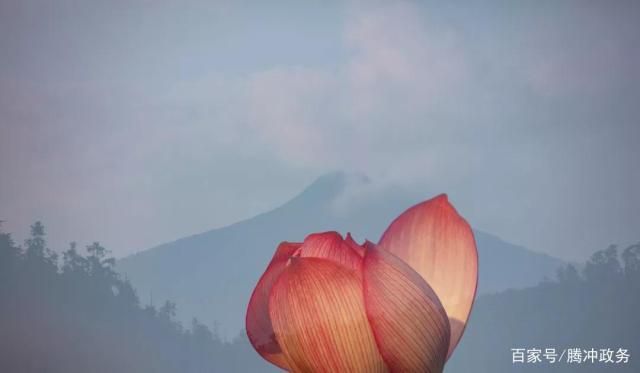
pixel 330 246
pixel 438 244
pixel 318 314
pixel 409 323
pixel 258 323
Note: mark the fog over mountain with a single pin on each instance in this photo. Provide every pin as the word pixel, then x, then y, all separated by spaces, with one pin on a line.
pixel 211 275
pixel 161 119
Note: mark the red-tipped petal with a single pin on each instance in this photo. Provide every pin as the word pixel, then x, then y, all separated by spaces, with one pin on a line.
pixel 258 323
pixel 368 245
pixel 438 244
pixel 409 323
pixel 318 314
pixel 354 245
pixel 331 246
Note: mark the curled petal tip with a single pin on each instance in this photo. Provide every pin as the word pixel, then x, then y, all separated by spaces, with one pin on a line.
pixel 442 197
pixel 359 249
pixel 369 245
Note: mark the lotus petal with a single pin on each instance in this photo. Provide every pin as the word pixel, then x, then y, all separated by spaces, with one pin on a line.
pixel 354 245
pixel 331 246
pixel 318 315
pixel 410 325
pixel 438 244
pixel 258 323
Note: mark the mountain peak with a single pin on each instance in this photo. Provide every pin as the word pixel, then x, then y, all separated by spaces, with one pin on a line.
pixel 329 186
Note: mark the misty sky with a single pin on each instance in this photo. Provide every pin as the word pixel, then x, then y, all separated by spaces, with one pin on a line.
pixel 139 122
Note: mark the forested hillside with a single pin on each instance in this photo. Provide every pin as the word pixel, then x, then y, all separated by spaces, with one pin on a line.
pixel 595 308
pixel 73 313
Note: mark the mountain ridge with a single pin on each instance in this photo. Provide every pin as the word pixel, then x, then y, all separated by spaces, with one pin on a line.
pixel 210 275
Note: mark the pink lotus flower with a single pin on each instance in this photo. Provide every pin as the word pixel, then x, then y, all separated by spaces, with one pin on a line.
pixel 331 305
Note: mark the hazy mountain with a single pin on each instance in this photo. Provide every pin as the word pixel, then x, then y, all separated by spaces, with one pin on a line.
pixel 211 275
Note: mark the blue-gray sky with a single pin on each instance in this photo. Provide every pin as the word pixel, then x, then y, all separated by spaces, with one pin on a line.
pixel 138 122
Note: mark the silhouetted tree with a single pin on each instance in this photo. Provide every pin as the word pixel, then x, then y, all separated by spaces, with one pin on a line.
pixel 168 310
pixel 9 254
pixel 631 259
pixel 36 246
pixel 568 275
pixel 99 264
pixel 603 265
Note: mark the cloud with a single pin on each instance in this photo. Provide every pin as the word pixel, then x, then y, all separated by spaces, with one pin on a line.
pixel 398 73
pixel 593 57
pixel 160 121
pixel 396 51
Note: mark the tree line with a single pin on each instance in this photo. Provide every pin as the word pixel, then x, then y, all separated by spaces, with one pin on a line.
pixel 72 312
pixel 591 306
